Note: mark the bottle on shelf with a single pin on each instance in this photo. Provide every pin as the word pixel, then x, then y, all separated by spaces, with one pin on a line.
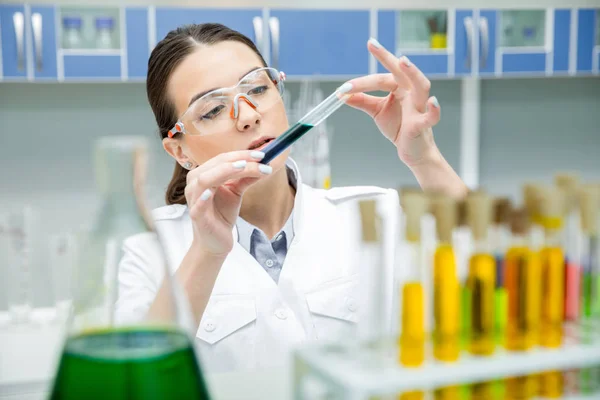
pixel 72 32
pixel 104 29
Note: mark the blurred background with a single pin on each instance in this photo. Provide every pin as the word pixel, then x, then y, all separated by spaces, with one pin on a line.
pixel 529 119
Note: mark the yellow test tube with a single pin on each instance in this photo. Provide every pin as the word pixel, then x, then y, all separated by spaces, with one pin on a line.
pixel 522 281
pixel 552 257
pixel 446 295
pixel 481 280
pixel 552 261
pixel 446 291
pixel 411 341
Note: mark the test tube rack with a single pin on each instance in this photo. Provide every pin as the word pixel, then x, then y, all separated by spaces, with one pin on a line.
pixel 354 372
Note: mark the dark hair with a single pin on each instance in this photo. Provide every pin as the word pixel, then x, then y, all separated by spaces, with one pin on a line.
pixel 165 57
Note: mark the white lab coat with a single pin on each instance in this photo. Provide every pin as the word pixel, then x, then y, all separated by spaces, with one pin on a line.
pixel 250 320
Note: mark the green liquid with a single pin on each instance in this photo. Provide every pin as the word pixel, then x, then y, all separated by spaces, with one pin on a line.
pixel 129 364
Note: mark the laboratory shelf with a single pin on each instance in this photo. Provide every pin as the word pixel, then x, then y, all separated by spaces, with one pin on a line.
pixel 356 371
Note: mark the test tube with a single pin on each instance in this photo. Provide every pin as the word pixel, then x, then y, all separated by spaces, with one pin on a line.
pixel 372 325
pixel 411 342
pixel 552 257
pixel 307 122
pixel 481 281
pixel 500 234
pixel 522 280
pixel 569 184
pixel 446 299
pixel 552 261
pixel 589 201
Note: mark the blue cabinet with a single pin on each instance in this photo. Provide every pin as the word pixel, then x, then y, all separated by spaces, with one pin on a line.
pixel 561 41
pixel 488 41
pixel 81 66
pixel 517 38
pixel 312 43
pixel 14 52
pixel 431 61
pixel 137 39
pixel 241 20
pixel 43 34
pixel 587 48
pixel 320 42
pixel 464 46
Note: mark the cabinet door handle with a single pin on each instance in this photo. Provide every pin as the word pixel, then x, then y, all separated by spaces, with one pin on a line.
pixel 485 40
pixel 468 22
pixel 274 30
pixel 257 22
pixel 19 25
pixel 36 23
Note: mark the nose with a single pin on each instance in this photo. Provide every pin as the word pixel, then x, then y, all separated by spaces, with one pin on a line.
pixel 244 109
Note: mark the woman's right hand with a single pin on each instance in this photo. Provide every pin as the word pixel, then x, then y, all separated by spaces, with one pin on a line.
pixel 214 196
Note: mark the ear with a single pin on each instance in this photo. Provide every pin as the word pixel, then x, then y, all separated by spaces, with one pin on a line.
pixel 174 146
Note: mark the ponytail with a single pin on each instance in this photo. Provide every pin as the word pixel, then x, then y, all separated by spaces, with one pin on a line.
pixel 176 189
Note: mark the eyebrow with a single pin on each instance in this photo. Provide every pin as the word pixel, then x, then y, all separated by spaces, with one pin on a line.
pixel 197 96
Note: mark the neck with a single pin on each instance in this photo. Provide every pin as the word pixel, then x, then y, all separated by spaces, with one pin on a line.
pixel 269 203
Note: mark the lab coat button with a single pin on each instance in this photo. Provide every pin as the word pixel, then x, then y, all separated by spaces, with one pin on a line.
pixel 281 313
pixel 269 263
pixel 209 326
pixel 351 304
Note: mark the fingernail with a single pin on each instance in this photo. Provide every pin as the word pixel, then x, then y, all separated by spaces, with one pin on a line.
pixel 206 195
pixel 435 102
pixel 405 61
pixel 257 155
pixel 265 169
pixel 345 88
pixel 375 43
pixel 241 164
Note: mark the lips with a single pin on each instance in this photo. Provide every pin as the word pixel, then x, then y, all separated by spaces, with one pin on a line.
pixel 260 143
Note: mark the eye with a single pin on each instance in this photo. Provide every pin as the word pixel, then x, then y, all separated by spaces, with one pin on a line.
pixel 212 114
pixel 258 90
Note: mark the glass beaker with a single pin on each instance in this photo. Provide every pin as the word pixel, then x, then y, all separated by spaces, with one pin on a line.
pixel 149 357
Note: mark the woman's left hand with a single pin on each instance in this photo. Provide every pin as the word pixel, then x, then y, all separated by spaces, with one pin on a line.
pixel 407 114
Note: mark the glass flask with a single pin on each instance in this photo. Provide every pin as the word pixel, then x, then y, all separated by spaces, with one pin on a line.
pixel 108 358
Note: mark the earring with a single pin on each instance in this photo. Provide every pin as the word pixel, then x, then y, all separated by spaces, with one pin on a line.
pixel 187 165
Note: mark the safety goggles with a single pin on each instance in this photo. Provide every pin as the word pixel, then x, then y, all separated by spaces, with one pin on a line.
pixel 216 111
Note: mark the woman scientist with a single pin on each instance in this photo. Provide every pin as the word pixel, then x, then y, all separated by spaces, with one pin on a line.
pixel 266 262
